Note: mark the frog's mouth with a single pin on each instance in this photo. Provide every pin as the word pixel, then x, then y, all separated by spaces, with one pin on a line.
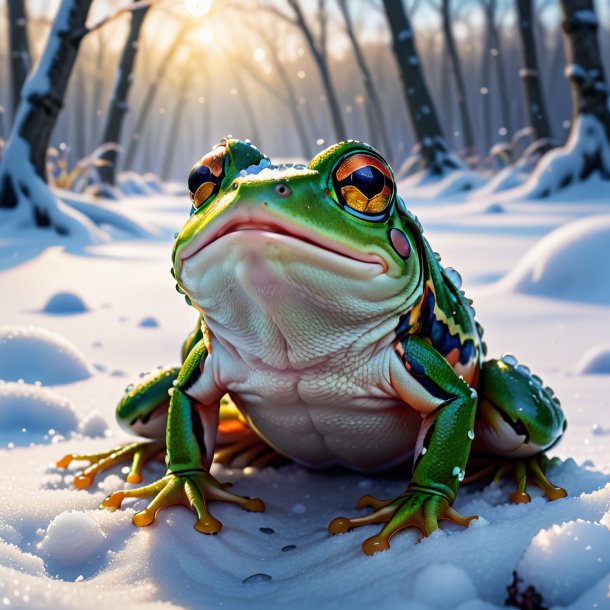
pixel 238 225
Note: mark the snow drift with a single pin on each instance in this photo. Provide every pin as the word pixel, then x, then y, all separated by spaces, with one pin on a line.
pixel 595 361
pixel 570 263
pixel 33 354
pixel 33 414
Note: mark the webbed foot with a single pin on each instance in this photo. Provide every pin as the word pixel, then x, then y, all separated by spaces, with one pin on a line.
pixel 193 489
pixel 140 453
pixel 525 471
pixel 411 509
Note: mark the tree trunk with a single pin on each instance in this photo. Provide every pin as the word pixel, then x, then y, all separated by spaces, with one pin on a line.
pixel 118 103
pixel 21 61
pixel 23 180
pixel 433 149
pixel 498 61
pixel 151 93
pixel 169 152
pixel 530 75
pixel 468 137
pixel 372 99
pixel 587 149
pixel 486 89
pixel 584 67
pixel 321 63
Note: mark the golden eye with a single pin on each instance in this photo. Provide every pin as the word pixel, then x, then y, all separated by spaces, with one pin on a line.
pixel 206 176
pixel 364 183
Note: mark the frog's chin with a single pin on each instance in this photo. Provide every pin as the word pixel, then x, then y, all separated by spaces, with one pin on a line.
pixel 285 302
pixel 270 271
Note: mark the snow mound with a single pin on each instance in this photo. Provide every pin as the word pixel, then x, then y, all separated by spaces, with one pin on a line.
pixel 569 263
pixel 65 303
pixel 595 361
pixel 423 185
pixel 564 561
pixel 33 414
pixel 72 538
pixel 94 426
pixel 457 586
pixel 132 184
pixel 35 354
pixel 149 322
pixel 153 182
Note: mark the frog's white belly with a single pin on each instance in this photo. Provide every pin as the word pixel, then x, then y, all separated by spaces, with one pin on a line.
pixel 345 415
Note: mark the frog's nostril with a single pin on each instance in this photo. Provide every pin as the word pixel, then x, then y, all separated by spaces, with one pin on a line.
pixel 235 185
pixel 283 190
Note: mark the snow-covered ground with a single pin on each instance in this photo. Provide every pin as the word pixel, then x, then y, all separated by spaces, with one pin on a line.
pixel 81 325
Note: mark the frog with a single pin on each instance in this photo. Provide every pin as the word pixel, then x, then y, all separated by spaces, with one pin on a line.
pixel 328 332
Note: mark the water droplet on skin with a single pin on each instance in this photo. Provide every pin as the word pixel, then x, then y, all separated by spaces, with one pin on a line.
pixel 456 471
pixel 454 276
pixel 471 435
pixel 424 451
pixel 509 359
pixel 525 370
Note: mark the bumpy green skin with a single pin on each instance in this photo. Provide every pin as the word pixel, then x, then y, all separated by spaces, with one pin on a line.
pixel 437 341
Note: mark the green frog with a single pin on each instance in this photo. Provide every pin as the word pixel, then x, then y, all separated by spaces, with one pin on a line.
pixel 328 332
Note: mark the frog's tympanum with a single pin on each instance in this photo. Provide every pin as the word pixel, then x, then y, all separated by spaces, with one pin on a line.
pixel 328 333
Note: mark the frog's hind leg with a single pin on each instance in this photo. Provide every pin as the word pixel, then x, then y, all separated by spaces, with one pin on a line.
pixel 142 411
pixel 518 419
pixel 237 444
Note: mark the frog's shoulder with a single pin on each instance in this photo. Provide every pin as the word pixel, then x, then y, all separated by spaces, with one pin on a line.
pixel 444 316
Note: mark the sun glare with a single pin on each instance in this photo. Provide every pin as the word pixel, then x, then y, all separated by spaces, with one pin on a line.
pixel 198 8
pixel 206 36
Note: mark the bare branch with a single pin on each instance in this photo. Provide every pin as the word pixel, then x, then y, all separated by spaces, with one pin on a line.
pixel 135 6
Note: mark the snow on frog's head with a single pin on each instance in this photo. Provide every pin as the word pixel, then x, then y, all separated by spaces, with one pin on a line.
pixel 283 240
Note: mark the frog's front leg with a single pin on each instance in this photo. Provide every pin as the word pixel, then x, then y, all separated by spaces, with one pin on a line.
pixel 142 410
pixel 425 381
pixel 190 444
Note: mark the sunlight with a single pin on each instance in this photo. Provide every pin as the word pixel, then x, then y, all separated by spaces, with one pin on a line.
pixel 206 35
pixel 198 8
pixel 259 55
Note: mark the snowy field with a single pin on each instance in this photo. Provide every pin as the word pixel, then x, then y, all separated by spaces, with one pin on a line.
pixel 75 353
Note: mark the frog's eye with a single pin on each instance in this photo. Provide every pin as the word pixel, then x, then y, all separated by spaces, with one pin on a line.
pixel 206 176
pixel 363 183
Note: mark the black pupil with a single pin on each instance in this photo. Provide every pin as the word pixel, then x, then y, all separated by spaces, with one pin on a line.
pixel 198 176
pixel 369 180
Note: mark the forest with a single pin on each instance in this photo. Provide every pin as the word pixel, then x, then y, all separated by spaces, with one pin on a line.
pixel 437 87
pixel 485 127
